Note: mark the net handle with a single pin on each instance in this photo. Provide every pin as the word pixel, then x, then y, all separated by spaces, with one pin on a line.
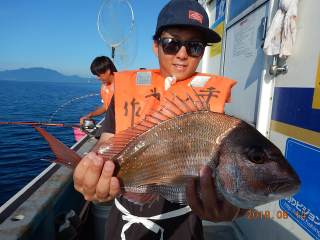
pixel 113 46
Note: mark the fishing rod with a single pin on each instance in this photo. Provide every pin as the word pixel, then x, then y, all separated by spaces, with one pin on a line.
pixel 39 123
pixel 90 95
pixel 87 124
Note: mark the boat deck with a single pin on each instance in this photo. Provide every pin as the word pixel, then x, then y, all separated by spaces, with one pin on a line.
pixel 222 231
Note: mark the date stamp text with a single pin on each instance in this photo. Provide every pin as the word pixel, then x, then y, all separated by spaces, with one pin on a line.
pixel 279 215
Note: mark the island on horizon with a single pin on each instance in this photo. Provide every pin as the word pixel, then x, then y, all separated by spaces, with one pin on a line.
pixel 43 75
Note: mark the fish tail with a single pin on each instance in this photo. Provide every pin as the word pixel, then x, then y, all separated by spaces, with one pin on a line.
pixel 65 156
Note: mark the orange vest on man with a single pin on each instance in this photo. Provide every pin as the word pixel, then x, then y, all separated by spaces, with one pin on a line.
pixel 106 93
pixel 140 90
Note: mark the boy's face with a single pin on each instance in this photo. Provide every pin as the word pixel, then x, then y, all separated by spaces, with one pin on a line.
pixel 180 64
pixel 105 77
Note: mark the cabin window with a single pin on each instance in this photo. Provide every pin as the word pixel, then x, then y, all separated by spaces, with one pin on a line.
pixel 237 6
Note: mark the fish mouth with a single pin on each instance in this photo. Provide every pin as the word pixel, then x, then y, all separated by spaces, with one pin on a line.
pixel 282 187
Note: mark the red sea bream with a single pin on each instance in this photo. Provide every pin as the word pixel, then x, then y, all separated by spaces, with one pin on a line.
pixel 166 148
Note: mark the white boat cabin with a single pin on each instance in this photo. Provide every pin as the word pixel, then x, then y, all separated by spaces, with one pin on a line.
pixel 283 105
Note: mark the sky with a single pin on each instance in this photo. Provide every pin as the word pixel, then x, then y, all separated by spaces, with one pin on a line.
pixel 62 35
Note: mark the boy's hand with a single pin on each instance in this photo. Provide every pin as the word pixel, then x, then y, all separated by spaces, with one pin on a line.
pixel 82 119
pixel 94 179
pixel 209 209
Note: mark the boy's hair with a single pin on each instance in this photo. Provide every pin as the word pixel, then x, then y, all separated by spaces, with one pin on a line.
pixel 159 33
pixel 100 65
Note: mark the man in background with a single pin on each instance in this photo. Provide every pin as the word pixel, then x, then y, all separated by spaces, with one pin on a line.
pixel 103 68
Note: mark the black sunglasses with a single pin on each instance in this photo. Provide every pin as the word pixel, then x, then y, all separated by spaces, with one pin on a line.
pixel 172 46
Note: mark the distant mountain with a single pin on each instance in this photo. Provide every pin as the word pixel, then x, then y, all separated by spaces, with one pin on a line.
pixel 41 74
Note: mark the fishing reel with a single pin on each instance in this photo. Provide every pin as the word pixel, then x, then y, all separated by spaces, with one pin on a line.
pixel 88 124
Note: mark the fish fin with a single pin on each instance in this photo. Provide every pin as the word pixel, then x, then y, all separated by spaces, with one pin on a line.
pixel 141 198
pixel 190 102
pixel 179 106
pixel 203 105
pixel 170 179
pixel 65 156
pixel 180 103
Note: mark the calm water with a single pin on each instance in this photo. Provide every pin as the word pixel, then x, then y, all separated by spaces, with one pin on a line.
pixel 21 146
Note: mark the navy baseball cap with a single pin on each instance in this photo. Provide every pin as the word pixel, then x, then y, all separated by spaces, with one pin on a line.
pixel 187 13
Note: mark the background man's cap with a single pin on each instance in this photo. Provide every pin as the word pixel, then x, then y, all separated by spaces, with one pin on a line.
pixel 187 13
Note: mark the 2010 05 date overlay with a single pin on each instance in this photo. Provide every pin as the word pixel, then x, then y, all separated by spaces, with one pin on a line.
pixel 279 215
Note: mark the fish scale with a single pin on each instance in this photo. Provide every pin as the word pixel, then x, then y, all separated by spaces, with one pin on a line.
pixel 176 147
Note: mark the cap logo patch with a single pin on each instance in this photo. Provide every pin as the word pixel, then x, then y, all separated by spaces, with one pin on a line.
pixel 196 16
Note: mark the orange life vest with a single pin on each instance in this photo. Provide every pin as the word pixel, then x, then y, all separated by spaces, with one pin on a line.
pixel 106 93
pixel 138 91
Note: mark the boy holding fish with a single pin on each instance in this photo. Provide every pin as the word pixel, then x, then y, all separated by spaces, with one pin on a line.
pixel 182 34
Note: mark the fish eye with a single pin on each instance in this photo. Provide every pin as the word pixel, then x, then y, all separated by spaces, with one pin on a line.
pixel 256 156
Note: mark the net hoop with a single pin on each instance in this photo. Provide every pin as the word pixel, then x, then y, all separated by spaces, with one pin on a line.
pixel 113 46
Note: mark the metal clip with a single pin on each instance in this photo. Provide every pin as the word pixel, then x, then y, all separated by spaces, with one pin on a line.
pixel 275 69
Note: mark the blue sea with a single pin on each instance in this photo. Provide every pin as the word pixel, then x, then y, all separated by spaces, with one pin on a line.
pixel 21 146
